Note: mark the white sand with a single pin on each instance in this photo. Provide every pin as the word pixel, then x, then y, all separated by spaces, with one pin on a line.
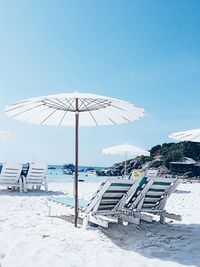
pixel 28 237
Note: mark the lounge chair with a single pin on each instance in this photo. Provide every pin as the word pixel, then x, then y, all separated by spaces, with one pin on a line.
pixel 101 210
pixel 36 177
pixel 10 176
pixel 126 200
pixel 149 196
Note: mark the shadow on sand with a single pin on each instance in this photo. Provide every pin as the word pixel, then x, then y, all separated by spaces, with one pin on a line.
pixel 68 218
pixel 36 193
pixel 170 242
pixel 178 243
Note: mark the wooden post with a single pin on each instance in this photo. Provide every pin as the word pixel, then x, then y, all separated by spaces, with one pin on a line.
pixel 76 165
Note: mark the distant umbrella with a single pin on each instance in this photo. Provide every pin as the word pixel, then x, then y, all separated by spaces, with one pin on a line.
pixel 190 135
pixel 125 150
pixel 75 109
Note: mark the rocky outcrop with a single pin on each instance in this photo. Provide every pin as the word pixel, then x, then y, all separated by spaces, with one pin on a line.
pixel 118 168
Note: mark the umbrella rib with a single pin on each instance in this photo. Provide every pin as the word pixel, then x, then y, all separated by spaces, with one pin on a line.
pixel 26 110
pixel 81 103
pixel 37 113
pixel 89 101
pixel 21 106
pixel 89 112
pixel 49 116
pixel 70 103
pixel 52 102
pixel 96 104
pixel 96 101
pixel 100 110
pixel 86 105
pixel 128 106
pixel 126 119
pixel 63 118
pixel 193 138
pixel 86 100
pixel 183 136
pixel 119 114
pixel 111 105
pixel 62 103
pixel 119 107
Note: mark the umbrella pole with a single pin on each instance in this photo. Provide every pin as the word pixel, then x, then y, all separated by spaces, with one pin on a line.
pixel 125 163
pixel 76 166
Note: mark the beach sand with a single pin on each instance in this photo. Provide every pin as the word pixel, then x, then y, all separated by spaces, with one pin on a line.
pixel 29 237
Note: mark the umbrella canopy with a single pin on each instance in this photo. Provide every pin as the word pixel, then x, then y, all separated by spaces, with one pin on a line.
pixel 59 110
pixel 6 135
pixel 125 150
pixel 190 135
pixel 75 109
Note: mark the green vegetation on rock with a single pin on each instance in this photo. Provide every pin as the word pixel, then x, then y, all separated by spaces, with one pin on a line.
pixel 176 151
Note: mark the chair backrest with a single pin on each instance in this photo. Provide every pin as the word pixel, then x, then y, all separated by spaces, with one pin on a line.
pixel 109 195
pixel 36 173
pixel 151 193
pixel 10 173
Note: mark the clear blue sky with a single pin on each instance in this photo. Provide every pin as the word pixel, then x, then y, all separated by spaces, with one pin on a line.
pixel 146 52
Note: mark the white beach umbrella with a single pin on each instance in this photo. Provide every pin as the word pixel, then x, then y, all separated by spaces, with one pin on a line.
pixel 190 135
pixel 125 150
pixel 6 135
pixel 75 109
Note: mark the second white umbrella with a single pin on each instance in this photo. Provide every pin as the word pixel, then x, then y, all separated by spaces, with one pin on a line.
pixel 125 150
pixel 190 135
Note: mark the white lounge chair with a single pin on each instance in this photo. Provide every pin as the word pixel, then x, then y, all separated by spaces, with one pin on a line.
pixel 36 177
pixel 11 176
pixel 126 200
pixel 101 208
pixel 149 196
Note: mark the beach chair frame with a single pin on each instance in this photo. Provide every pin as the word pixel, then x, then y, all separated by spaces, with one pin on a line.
pixel 93 213
pixel 101 208
pixel 11 176
pixel 135 212
pixel 36 177
pixel 140 210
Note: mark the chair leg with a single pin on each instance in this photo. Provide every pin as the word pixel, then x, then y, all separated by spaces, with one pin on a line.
pixel 162 219
pixel 25 185
pixel 125 223
pixel 45 185
pixel 85 222
pixel 20 185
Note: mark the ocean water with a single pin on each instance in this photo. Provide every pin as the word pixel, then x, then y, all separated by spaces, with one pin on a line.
pixel 56 175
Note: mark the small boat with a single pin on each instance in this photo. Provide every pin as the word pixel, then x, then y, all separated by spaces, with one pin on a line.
pixel 51 168
pixel 81 180
pixel 68 171
pixel 91 172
